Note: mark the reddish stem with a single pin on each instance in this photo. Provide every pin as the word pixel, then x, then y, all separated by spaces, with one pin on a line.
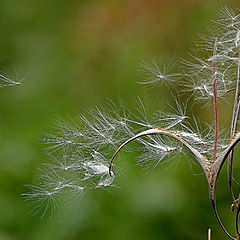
pixel 215 99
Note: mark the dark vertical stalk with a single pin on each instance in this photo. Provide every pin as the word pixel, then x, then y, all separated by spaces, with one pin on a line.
pixel 235 117
pixel 213 201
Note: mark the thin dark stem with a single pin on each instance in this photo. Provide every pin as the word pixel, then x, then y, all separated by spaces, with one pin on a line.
pixel 235 114
pixel 235 117
pixel 230 175
pixel 219 220
pixel 237 216
pixel 215 98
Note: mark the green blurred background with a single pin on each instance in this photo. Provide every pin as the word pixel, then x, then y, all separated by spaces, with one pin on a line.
pixel 74 54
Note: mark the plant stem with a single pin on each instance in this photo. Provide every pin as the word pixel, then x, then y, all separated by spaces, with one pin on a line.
pixel 177 135
pixel 209 234
pixel 215 99
pixel 213 201
pixel 235 117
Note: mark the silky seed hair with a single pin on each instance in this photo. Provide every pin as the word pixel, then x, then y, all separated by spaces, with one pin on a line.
pixel 7 81
pixel 83 150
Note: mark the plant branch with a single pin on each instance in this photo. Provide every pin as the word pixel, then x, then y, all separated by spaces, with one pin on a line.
pixel 215 98
pixel 235 117
pixel 219 220
pixel 237 216
pixel 217 166
pixel 178 135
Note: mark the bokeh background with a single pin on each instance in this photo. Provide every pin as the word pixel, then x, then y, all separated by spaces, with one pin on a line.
pixel 74 55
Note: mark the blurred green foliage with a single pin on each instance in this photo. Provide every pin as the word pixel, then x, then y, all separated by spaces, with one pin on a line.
pixel 74 54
